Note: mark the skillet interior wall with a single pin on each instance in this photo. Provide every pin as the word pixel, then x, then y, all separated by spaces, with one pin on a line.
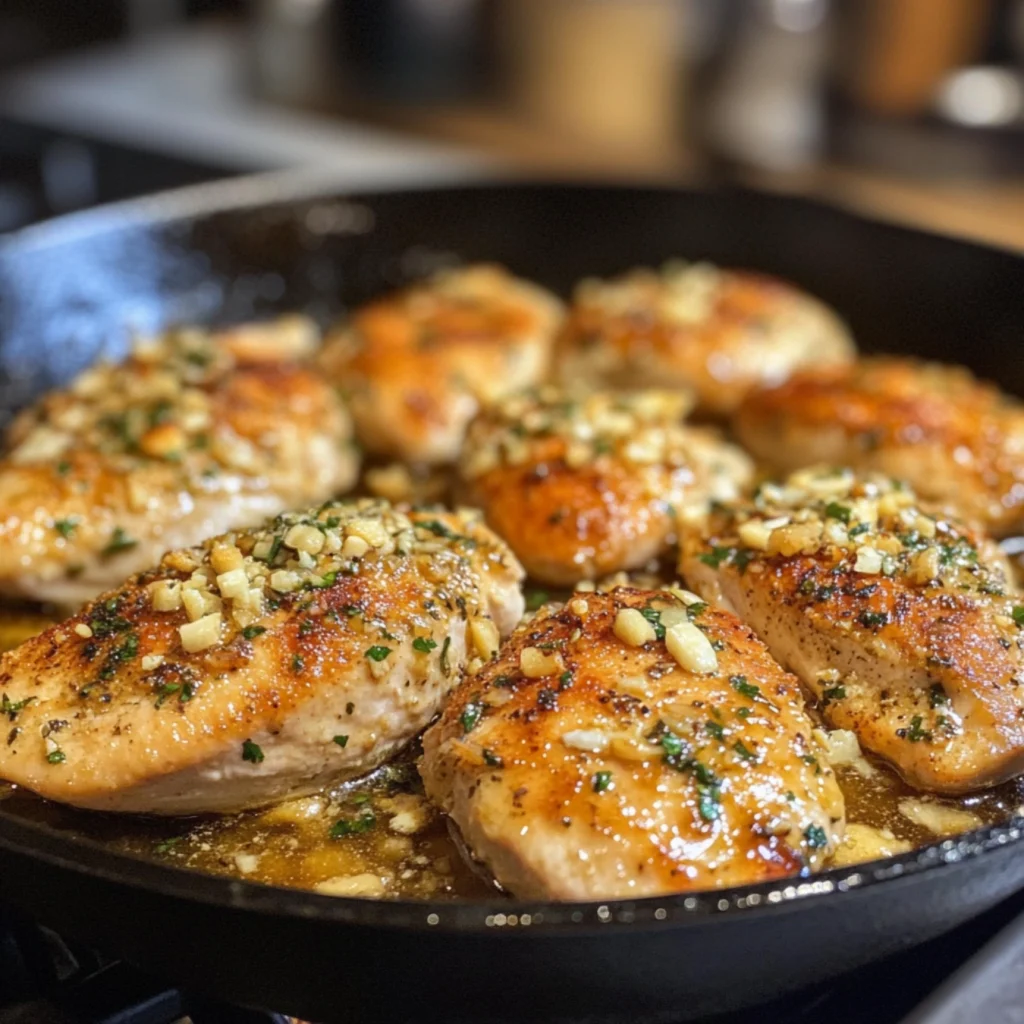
pixel 67 298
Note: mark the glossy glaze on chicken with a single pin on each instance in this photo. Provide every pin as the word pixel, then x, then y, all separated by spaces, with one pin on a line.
pixel 632 738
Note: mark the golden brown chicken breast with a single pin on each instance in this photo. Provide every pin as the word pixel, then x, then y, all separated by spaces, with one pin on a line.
pixel 898 620
pixel 583 487
pixel 417 365
pixel 956 440
pixel 195 433
pixel 632 744
pixel 719 332
pixel 261 665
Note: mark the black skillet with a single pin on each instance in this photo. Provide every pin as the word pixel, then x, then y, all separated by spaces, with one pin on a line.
pixel 68 289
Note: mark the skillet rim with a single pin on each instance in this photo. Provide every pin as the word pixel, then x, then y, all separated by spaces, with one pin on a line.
pixel 499 915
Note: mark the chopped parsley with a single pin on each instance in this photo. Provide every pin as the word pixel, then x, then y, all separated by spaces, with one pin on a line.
pixel 298 662
pixel 423 644
pixel 436 527
pixel 251 632
pixel 119 541
pixel 601 781
pixel 377 652
pixel 715 729
pixel 937 696
pixel 56 756
pixel 834 693
pixel 252 752
pixel 815 837
pixel 745 689
pixel 653 616
pixel 565 680
pixel 536 598
pixel 492 759
pixel 717 555
pixel 471 714
pixel 342 741
pixel 834 510
pixel 66 527
pixel 11 708
pixel 166 845
pixel 353 826
pixel 873 619
pixel 1018 614
pixel 696 609
pixel 856 531
pixel 915 734
pixel 743 751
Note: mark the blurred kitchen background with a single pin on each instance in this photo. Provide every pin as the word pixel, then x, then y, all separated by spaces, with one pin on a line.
pixel 910 108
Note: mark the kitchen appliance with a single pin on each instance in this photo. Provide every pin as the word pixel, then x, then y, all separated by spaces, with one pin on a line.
pixel 69 289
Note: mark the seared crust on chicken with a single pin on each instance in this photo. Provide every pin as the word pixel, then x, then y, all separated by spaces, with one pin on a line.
pixel 956 440
pixel 719 332
pixel 192 435
pixel 261 665
pixel 594 760
pixel 584 487
pixel 898 620
pixel 418 364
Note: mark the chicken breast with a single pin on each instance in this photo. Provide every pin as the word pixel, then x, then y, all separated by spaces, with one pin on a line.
pixel 583 487
pixel 418 364
pixel 956 440
pixel 632 744
pixel 898 620
pixel 194 434
pixel 261 665
pixel 719 332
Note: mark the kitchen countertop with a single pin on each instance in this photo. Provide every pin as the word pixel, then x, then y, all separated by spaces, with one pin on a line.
pixel 185 92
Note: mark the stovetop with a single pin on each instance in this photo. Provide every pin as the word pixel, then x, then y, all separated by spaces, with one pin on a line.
pixel 972 974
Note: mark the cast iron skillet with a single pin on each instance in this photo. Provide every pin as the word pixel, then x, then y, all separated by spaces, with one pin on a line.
pixel 67 291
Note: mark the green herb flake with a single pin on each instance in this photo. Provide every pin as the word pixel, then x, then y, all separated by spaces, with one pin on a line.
pixel 471 714
pixel 937 696
pixel 717 555
pixel 166 845
pixel 535 599
pixel 11 708
pixel 56 756
pixel 872 620
pixel 601 781
pixel 353 826
pixel 915 734
pixel 815 837
pixel 492 760
pixel 66 527
pixel 696 609
pixel 744 688
pixel 743 751
pixel 565 680
pixel 377 652
pixel 251 632
pixel 298 662
pixel 1018 614
pixel 252 752
pixel 715 729
pixel 653 616
pixel 342 741
pixel 834 693
pixel 423 644
pixel 834 510
pixel 119 541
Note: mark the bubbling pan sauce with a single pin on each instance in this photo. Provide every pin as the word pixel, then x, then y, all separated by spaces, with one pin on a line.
pixel 379 837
